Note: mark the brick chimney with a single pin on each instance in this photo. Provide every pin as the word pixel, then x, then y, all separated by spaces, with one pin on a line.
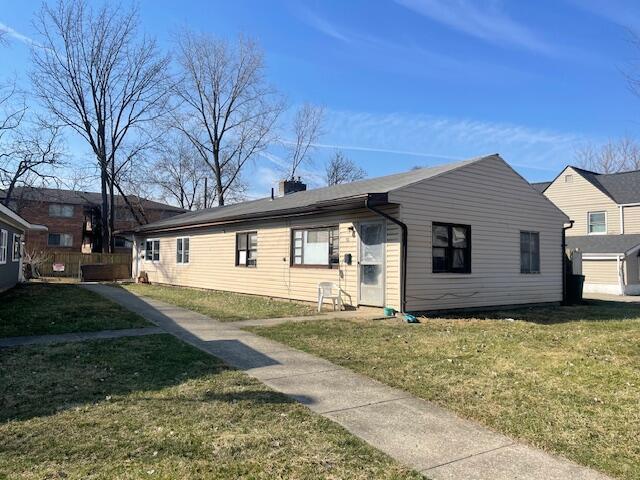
pixel 291 186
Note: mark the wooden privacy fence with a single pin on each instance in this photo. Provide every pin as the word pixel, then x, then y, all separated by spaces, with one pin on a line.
pixel 72 261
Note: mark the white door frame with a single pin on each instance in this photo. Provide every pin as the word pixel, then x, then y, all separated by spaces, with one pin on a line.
pixel 384 258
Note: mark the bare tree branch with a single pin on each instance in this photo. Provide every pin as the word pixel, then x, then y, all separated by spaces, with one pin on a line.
pixel 227 111
pixel 97 75
pixel 340 169
pixel 36 151
pixel 307 129
pixel 614 156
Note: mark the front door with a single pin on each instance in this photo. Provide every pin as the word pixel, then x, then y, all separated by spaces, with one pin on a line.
pixel 372 240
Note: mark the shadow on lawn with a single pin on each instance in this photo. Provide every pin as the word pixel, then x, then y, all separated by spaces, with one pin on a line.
pixel 40 381
pixel 589 311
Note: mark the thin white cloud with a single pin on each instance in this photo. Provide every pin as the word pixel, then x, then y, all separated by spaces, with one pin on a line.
pixel 360 148
pixel 448 139
pixel 483 20
pixel 402 56
pixel 17 35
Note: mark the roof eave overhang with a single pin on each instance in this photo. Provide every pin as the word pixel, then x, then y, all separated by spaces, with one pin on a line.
pixel 345 203
pixel 11 218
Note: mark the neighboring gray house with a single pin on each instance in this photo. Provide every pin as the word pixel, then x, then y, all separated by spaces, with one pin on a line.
pixel 12 230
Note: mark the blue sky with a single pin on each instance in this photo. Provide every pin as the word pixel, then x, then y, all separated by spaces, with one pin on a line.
pixel 422 82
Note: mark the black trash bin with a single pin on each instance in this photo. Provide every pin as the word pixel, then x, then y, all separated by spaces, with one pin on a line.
pixel 575 285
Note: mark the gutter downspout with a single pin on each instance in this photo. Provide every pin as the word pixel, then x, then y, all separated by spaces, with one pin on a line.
pixel 403 266
pixel 564 270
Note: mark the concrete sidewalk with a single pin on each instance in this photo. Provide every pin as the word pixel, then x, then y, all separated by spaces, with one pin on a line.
pixel 417 433
pixel 77 337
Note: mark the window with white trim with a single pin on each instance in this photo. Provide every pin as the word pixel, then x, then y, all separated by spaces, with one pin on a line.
pixel 60 240
pixel 3 246
pixel 60 210
pixel 152 250
pixel 182 250
pixel 529 252
pixel 17 248
pixel 597 223
pixel 315 247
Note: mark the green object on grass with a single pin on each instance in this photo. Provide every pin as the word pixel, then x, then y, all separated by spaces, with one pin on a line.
pixel 389 311
pixel 410 318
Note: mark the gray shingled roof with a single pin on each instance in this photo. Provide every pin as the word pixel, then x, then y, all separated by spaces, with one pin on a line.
pixel 309 199
pixel 604 243
pixel 541 186
pixel 623 187
pixel 74 197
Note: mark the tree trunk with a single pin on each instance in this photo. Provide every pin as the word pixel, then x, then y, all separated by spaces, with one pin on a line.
pixel 112 210
pixel 104 211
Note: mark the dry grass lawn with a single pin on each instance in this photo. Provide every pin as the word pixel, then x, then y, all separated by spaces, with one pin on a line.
pixel 567 380
pixel 43 308
pixel 153 407
pixel 222 306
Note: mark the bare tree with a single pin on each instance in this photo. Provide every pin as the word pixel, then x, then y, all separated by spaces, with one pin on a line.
pixel 180 174
pixel 28 148
pixel 36 150
pixel 307 129
pixel 614 156
pixel 227 111
pixel 340 169
pixel 98 76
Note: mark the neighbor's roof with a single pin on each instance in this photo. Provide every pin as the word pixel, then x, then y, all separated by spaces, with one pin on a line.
pixel 623 187
pixel 306 200
pixel 541 186
pixel 604 243
pixel 12 218
pixel 75 197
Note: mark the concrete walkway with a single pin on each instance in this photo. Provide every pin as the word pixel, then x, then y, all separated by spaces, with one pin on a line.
pixel 78 337
pixel 417 433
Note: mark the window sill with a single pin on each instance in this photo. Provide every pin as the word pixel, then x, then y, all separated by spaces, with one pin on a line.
pixel 318 267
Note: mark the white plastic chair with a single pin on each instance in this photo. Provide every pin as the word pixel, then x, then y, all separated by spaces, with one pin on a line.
pixel 329 291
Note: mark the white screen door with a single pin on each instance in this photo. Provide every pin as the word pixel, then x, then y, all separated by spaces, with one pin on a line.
pixel 372 241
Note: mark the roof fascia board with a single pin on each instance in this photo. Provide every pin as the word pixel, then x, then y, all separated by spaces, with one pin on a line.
pixel 313 210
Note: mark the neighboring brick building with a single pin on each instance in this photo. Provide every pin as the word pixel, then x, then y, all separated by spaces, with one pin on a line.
pixel 73 218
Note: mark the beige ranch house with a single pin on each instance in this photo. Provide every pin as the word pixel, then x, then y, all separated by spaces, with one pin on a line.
pixel 605 209
pixel 468 234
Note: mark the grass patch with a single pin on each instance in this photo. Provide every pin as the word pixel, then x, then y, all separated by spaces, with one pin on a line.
pixel 154 407
pixel 222 306
pixel 41 308
pixel 571 387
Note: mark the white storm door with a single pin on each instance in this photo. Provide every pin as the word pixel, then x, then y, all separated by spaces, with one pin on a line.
pixel 371 263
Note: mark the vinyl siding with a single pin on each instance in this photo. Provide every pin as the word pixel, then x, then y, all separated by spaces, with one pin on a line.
pixel 601 272
pixel 497 203
pixel 631 270
pixel 579 197
pixel 212 259
pixel 631 219
pixel 10 270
